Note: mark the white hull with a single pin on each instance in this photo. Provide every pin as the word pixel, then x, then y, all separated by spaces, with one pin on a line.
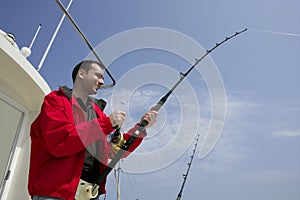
pixel 22 90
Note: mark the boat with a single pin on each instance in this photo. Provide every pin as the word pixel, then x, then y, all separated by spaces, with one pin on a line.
pixel 22 90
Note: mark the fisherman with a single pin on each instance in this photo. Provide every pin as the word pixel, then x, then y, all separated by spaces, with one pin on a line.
pixel 69 137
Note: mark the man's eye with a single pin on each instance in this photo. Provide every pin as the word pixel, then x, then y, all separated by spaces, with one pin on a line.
pixel 100 76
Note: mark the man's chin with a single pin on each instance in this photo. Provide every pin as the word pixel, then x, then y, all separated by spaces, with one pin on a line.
pixel 93 92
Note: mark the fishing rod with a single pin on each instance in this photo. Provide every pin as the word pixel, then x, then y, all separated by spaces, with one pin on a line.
pixel 188 169
pixel 87 42
pixel 144 123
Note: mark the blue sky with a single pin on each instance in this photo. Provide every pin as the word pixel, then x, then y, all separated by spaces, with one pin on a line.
pixel 257 154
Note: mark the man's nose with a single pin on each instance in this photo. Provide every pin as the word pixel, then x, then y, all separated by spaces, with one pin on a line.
pixel 101 81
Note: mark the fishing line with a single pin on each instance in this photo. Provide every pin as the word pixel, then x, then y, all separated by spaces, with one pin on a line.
pixel 133 185
pixel 276 32
pixel 117 172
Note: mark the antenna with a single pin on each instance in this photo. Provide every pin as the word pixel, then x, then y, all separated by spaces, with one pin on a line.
pixel 53 37
pixel 26 51
pixel 188 169
pixel 34 37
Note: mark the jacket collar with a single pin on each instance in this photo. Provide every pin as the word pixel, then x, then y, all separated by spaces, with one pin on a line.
pixel 68 92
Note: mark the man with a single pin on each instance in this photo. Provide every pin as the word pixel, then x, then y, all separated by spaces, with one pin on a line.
pixel 69 136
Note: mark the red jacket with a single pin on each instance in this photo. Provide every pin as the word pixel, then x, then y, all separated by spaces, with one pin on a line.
pixel 59 136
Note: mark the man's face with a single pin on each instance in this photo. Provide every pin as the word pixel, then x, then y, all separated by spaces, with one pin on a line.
pixel 92 79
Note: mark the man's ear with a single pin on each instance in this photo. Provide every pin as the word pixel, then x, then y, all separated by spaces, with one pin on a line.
pixel 81 73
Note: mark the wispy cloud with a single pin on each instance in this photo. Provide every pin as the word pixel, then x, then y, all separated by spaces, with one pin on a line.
pixel 173 131
pixel 286 133
pixel 230 147
pixel 170 137
pixel 272 176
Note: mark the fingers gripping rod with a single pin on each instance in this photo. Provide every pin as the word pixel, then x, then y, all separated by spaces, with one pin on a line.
pixel 160 103
pixel 87 42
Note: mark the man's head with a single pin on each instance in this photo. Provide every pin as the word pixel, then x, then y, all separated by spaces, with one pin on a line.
pixel 88 75
pixel 85 65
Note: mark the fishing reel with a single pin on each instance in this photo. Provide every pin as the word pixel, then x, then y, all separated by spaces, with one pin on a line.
pixel 115 137
pixel 117 141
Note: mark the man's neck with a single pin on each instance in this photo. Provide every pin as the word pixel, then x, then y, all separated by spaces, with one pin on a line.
pixel 80 94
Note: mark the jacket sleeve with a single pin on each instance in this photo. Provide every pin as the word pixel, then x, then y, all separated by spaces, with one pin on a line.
pixel 60 136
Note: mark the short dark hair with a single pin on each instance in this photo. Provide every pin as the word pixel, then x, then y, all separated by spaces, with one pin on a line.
pixel 86 65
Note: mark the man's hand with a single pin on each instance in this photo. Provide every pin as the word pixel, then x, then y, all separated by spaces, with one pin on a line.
pixel 117 118
pixel 150 117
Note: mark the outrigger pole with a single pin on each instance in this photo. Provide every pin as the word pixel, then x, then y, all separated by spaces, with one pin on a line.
pixel 53 37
